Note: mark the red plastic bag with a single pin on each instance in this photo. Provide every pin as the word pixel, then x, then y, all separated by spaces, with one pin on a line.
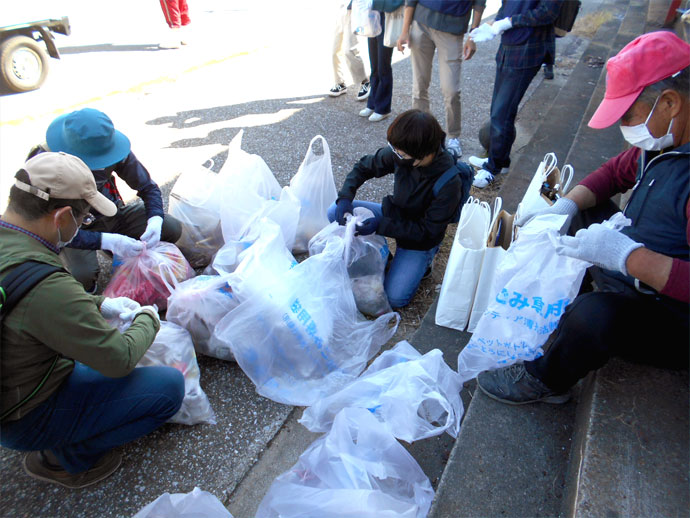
pixel 147 277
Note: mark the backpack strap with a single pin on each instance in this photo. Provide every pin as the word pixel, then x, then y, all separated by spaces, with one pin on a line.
pixel 445 178
pixel 465 172
pixel 13 287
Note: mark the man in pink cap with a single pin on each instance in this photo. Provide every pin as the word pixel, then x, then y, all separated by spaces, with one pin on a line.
pixel 643 271
pixel 69 392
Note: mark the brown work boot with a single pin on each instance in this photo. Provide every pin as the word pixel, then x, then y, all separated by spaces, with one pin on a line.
pixel 37 466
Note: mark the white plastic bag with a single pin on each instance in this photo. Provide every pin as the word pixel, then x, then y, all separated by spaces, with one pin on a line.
pixel 198 305
pixel 464 266
pixel 533 286
pixel 365 21
pixel 358 469
pixel 197 504
pixel 193 203
pixel 173 347
pixel 500 238
pixel 365 257
pixel 314 186
pixel 549 177
pixel 414 396
pixel 301 338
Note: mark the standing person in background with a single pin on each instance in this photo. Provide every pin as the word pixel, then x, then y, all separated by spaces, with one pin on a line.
pixel 176 13
pixel 527 41
pixel 380 57
pixel 345 50
pixel 435 25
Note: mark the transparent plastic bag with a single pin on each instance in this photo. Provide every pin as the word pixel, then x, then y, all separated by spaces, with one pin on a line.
pixel 357 469
pixel 173 347
pixel 198 305
pixel 147 278
pixel 414 396
pixel 298 334
pixel 197 504
pixel 314 186
pixel 365 21
pixel 366 258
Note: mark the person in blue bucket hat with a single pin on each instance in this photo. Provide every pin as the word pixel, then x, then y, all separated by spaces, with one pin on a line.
pixel 90 135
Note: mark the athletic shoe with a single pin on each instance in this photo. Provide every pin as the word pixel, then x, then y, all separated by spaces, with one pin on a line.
pixel 376 117
pixel 482 179
pixel 453 144
pixel 337 90
pixel 477 162
pixel 515 386
pixel 366 112
pixel 364 91
pixel 37 466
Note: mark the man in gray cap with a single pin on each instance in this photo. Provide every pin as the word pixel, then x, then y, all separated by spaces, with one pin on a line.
pixel 90 135
pixel 69 392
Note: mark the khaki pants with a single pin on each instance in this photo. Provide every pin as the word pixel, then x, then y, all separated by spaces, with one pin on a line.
pixel 423 42
pixel 345 50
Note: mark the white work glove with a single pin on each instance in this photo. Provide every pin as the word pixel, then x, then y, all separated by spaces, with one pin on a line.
pixel 119 307
pixel 562 207
pixel 599 245
pixel 482 33
pixel 120 245
pixel 500 26
pixel 149 310
pixel 152 234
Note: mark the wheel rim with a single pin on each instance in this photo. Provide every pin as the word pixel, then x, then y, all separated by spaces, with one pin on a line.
pixel 26 66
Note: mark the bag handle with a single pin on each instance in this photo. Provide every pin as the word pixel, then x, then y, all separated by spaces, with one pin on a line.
pixel 550 162
pixel 567 172
pixel 349 236
pixel 498 205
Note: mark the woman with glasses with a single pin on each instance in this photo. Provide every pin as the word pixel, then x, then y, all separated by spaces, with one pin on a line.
pixel 429 189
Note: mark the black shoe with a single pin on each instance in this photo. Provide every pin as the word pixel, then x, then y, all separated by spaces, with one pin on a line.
pixel 39 467
pixel 548 71
pixel 337 90
pixel 364 91
pixel 515 386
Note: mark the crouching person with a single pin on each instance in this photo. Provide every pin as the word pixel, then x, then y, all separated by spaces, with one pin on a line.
pixel 69 390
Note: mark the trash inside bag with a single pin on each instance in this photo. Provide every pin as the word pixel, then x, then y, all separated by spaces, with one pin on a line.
pixel 197 504
pixel 414 396
pixel 173 347
pixel 197 305
pixel 357 469
pixel 147 277
pixel 298 335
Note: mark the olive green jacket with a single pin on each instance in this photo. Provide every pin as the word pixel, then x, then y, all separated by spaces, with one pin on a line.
pixel 57 317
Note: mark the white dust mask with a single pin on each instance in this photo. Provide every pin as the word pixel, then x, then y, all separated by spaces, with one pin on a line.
pixel 62 244
pixel 639 135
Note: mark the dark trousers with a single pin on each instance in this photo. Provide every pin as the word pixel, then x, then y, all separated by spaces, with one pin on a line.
pixel 510 86
pixel 616 321
pixel 381 78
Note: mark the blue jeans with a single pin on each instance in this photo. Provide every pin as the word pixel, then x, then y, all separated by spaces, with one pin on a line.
pixel 406 270
pixel 510 86
pixel 381 77
pixel 91 414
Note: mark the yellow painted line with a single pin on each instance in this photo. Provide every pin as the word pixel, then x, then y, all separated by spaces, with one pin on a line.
pixel 134 89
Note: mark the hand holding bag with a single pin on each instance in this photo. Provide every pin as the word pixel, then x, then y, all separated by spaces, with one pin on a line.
pixel 547 184
pixel 394 25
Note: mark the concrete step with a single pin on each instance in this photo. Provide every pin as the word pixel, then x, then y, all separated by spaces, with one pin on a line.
pixel 630 452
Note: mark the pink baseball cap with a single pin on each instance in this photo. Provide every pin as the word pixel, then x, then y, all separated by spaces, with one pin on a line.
pixel 644 61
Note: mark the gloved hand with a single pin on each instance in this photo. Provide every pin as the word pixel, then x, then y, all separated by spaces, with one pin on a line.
pixel 366 227
pixel 120 245
pixel 599 245
pixel 500 26
pixel 562 207
pixel 482 33
pixel 149 310
pixel 343 206
pixel 152 234
pixel 119 307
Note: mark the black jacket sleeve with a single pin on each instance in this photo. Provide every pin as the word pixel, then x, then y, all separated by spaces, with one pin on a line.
pixel 377 165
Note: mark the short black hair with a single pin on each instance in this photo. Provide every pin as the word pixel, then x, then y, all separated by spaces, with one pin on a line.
pixel 32 207
pixel 417 133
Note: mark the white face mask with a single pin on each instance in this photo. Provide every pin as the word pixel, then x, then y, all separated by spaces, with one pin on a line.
pixel 639 136
pixel 62 244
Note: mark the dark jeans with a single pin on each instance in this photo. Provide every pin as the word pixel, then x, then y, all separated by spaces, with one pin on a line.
pixel 130 221
pixel 91 414
pixel 616 321
pixel 510 86
pixel 381 78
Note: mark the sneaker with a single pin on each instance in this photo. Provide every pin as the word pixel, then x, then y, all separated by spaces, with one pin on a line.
pixel 366 112
pixel 477 162
pixel 453 145
pixel 364 91
pixel 338 89
pixel 515 386
pixel 548 71
pixel 376 117
pixel 37 466
pixel 482 179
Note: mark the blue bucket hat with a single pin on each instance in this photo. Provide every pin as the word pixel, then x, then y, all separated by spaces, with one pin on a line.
pixel 90 135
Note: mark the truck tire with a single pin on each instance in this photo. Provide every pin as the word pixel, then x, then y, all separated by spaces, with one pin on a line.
pixel 23 63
